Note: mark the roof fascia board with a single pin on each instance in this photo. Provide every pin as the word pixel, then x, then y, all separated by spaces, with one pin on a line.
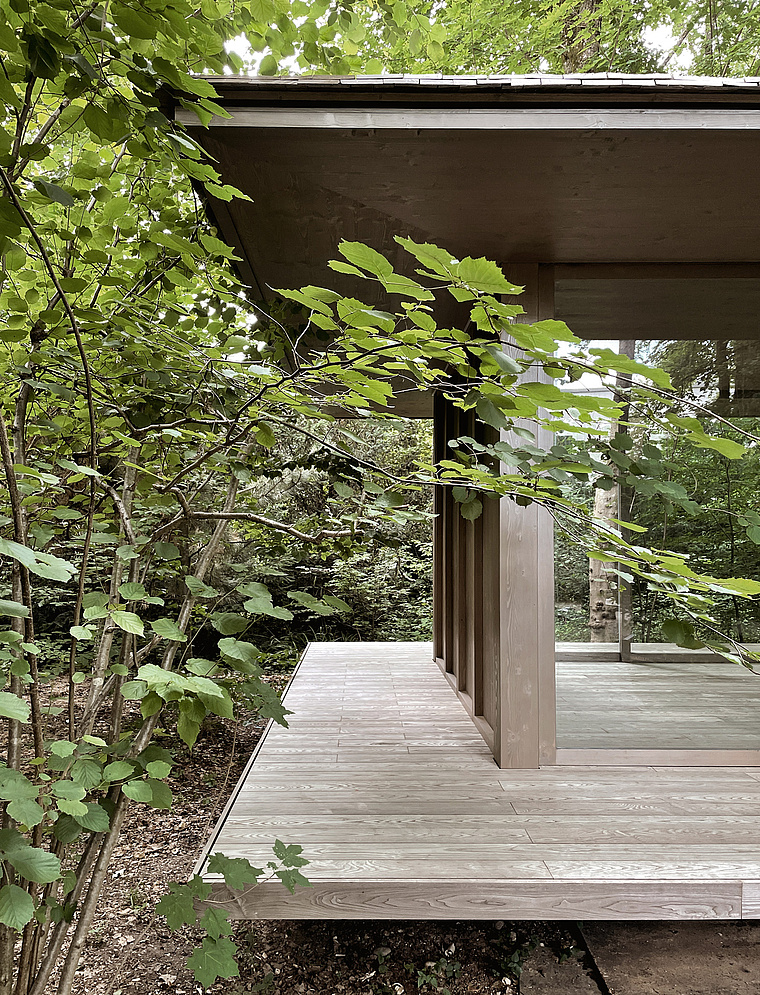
pixel 483 119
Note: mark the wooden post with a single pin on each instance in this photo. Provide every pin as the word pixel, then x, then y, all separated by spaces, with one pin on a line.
pixel 526 704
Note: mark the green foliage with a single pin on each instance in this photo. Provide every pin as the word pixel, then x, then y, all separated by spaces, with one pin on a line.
pixel 188 904
pixel 148 425
pixel 433 976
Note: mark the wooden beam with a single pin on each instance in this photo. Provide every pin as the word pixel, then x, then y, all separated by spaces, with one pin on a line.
pixel 657 271
pixel 488 119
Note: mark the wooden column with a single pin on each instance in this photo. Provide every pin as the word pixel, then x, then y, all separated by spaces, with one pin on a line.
pixel 526 707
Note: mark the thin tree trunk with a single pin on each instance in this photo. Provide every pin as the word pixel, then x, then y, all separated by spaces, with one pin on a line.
pixel 603 583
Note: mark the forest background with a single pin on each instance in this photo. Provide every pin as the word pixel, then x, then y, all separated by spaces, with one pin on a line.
pixel 180 513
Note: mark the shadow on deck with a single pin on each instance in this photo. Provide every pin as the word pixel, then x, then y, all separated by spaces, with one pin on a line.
pixel 403 814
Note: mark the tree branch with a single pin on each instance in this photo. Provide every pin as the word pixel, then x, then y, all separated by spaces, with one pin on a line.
pixel 249 516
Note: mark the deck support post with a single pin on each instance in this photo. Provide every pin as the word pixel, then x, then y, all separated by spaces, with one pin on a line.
pixel 525 707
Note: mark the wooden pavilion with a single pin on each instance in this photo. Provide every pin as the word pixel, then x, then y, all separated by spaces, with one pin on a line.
pixel 627 206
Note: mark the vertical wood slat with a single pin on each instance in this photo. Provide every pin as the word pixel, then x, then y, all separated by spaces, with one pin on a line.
pixel 463 539
pixel 448 579
pixel 491 627
pixel 526 595
pixel 439 550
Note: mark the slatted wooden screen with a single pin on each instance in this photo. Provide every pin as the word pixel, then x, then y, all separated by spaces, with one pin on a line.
pixel 494 592
pixel 466 617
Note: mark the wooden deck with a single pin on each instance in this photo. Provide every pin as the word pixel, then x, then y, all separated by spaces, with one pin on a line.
pixel 385 782
pixel 660 704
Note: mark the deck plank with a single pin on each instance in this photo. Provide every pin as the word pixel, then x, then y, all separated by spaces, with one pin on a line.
pixel 708 704
pixel 403 813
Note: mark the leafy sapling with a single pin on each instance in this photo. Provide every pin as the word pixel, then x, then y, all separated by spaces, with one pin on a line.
pixel 194 904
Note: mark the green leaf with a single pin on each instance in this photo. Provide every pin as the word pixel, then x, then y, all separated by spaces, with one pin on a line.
pixel 484 275
pixel 134 690
pixel 237 872
pixel 367 258
pixel 14 786
pixel 216 923
pixel 138 790
pixel 68 790
pixel 72 806
pixel 726 447
pixel 238 649
pixel 189 723
pixel 505 362
pixel 117 770
pixel 159 769
pixel 200 590
pixel 14 609
pixel 44 60
pixel 13 707
pixel 132 591
pixel 27 812
pixel 260 601
pixel 312 603
pixel 218 704
pixel 103 125
pixel 228 623
pixel 55 193
pixel 264 435
pixel 160 794
pixel 95 819
pixel 150 704
pixel 66 830
pixel 490 414
pixel 291 878
pixel 168 629
pixel 17 907
pixel 166 551
pixel 135 22
pixel 43 564
pixel 337 603
pixel 289 854
pixel 81 632
pixel 86 772
pixel 178 906
pixel 470 510
pixel 438 260
pixel 128 621
pixel 30 862
pixel 268 66
pixel 213 959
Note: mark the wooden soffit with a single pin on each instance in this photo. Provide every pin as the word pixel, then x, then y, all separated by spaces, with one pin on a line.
pixel 584 173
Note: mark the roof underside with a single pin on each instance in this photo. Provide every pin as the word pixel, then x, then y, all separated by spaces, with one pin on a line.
pixel 571 170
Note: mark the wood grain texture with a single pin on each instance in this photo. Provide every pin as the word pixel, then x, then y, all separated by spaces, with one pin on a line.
pixel 403 813
pixel 658 704
pixel 751 900
pixel 526 579
pixel 508 899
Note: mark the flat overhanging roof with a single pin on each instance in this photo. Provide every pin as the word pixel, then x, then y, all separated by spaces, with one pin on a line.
pixel 581 172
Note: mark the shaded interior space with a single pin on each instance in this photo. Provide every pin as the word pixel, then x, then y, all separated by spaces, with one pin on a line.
pixel 402 813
